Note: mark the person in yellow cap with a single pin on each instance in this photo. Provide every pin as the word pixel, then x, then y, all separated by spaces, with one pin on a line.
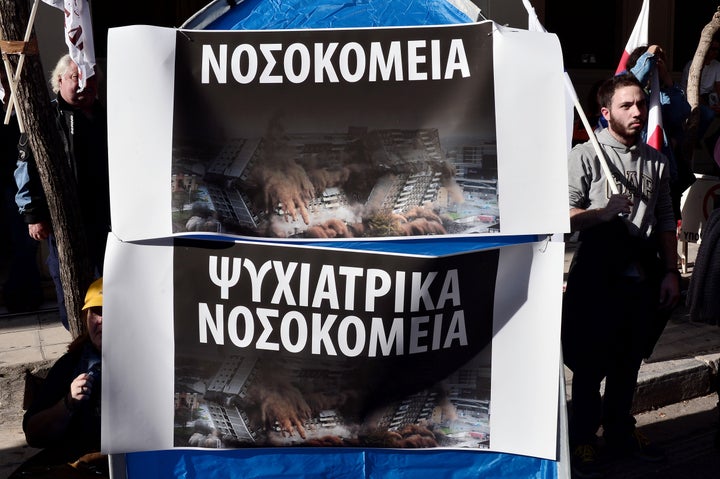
pixel 64 415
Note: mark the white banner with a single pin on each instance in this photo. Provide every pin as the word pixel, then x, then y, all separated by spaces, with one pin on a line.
pixel 139 357
pixel 432 132
pixel 523 189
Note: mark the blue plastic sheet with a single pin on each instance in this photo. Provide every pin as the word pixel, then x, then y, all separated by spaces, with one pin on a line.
pixel 344 463
pixel 426 246
pixel 335 463
pixel 289 14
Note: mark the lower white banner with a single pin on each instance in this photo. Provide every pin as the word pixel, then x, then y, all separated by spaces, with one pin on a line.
pixel 227 344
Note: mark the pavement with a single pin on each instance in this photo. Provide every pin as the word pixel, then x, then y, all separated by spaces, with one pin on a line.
pixel 30 338
pixel 27 341
pixel 683 366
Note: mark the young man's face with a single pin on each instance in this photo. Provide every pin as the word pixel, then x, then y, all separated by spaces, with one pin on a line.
pixel 627 113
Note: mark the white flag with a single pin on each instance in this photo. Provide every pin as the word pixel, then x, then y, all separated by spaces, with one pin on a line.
pixel 78 35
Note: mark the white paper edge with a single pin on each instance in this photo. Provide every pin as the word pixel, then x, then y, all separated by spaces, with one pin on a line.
pixel 141 66
pixel 526 351
pixel 533 143
pixel 138 363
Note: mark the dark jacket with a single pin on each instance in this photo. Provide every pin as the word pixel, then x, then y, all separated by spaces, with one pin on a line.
pixel 85 143
pixel 82 435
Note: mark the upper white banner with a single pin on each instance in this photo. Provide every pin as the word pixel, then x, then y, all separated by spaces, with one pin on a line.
pixel 365 133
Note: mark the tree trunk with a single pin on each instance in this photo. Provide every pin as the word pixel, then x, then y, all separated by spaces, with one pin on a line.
pixel 693 84
pixel 53 166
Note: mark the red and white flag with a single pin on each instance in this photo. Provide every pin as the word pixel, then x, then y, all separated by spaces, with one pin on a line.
pixel 78 35
pixel 638 38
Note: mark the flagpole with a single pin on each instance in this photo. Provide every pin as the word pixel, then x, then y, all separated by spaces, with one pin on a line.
pixel 13 80
pixel 655 132
pixel 11 83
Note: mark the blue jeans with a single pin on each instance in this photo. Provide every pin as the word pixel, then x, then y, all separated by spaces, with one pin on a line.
pixel 53 264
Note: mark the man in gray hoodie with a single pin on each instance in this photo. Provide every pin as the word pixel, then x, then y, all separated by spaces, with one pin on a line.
pixel 623 273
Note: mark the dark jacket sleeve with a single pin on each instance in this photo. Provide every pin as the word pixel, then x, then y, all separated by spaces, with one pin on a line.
pixel 30 198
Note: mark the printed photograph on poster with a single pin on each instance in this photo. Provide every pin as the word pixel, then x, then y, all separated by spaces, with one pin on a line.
pixel 292 346
pixel 360 133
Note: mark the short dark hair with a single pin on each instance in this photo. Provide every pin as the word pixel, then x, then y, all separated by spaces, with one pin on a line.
pixel 635 56
pixel 607 89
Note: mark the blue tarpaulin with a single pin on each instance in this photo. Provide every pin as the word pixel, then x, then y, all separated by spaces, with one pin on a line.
pixel 288 14
pixel 335 463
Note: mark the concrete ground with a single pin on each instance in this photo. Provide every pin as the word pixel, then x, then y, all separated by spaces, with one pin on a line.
pixel 27 342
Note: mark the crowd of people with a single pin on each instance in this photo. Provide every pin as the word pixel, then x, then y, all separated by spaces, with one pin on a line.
pixel 623 282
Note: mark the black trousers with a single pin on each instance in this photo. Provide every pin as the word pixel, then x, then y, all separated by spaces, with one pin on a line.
pixel 612 348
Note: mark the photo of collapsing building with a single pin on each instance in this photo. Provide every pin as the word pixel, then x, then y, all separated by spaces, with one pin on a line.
pixel 363 183
pixel 245 402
